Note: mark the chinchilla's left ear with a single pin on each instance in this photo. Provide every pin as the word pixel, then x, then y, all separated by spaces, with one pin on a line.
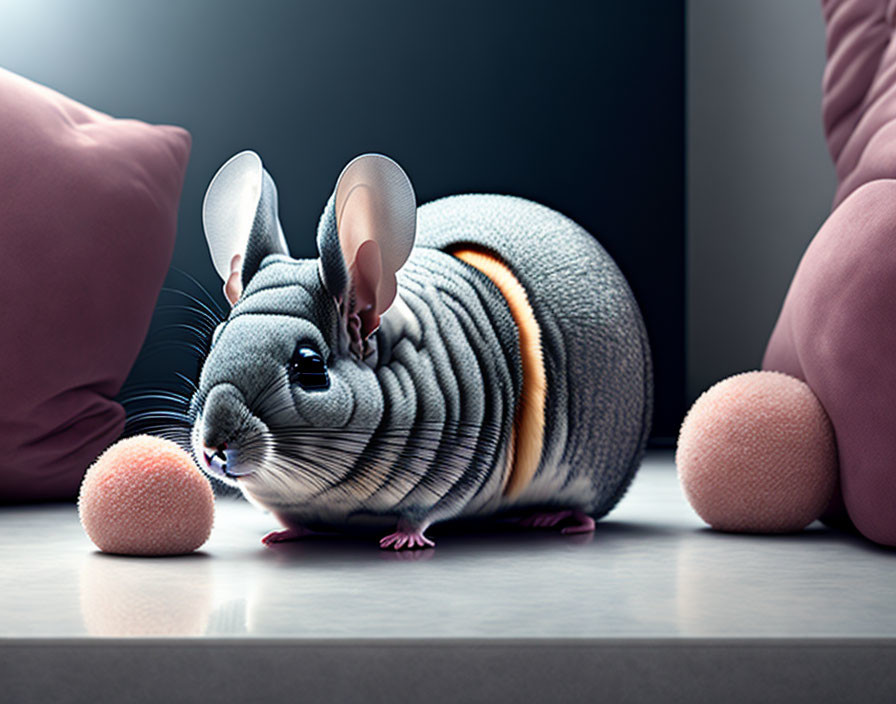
pixel 365 236
pixel 239 216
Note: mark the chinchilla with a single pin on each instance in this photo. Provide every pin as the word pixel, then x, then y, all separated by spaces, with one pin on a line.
pixel 480 355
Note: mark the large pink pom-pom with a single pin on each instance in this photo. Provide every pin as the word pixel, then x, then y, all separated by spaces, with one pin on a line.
pixel 145 496
pixel 756 453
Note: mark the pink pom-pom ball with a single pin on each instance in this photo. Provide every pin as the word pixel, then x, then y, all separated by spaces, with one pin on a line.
pixel 757 454
pixel 145 496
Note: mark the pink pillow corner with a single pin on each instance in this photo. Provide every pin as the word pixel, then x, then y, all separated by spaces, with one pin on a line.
pixel 89 204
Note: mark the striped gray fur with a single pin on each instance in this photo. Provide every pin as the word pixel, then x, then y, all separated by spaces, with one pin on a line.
pixel 451 402
pixel 597 358
pixel 420 429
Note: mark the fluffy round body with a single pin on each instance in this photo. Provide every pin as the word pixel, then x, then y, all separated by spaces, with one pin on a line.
pixel 421 428
pixel 757 453
pixel 145 496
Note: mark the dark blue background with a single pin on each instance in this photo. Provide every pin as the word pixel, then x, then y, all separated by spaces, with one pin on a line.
pixel 577 105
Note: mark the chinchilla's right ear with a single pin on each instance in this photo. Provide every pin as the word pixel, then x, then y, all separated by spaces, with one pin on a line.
pixel 240 219
pixel 365 235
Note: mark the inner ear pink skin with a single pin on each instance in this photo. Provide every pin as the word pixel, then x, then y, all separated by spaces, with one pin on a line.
pixel 233 287
pixel 364 307
pixel 360 216
pixel 371 288
pixel 355 220
pixel 366 272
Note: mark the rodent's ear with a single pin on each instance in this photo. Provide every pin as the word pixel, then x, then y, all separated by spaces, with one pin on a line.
pixel 365 236
pixel 239 216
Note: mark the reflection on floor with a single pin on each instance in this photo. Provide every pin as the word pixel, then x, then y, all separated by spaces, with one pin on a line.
pixel 650 570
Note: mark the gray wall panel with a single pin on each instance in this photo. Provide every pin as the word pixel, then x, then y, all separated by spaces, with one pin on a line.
pixel 760 181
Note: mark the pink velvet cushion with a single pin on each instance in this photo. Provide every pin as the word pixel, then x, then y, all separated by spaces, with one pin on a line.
pixel 837 329
pixel 88 210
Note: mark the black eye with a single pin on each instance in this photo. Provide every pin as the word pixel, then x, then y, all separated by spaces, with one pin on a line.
pixel 308 369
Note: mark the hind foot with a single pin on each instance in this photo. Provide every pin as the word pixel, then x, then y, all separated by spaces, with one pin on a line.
pixel 407 537
pixel 280 536
pixel 581 522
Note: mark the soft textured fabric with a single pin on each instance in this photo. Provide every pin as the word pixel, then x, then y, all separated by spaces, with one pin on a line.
pixel 88 210
pixel 757 454
pixel 145 496
pixel 837 328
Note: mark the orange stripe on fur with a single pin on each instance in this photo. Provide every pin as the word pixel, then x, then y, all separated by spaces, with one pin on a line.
pixel 527 437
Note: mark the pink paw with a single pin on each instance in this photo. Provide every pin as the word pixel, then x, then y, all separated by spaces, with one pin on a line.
pixel 407 537
pixel 279 536
pixel 583 523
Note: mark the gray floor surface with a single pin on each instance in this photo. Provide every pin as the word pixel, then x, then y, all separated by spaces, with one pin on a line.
pixel 650 578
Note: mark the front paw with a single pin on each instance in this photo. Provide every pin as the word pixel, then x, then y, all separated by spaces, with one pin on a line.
pixel 407 536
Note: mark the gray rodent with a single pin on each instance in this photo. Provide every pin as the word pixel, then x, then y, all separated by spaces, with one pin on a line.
pixel 500 363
